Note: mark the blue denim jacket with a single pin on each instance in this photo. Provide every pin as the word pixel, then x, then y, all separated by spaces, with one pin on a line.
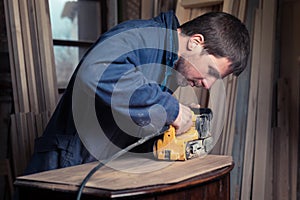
pixel 123 79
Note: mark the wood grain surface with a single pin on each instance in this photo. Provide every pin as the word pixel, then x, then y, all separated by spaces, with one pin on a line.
pixel 130 172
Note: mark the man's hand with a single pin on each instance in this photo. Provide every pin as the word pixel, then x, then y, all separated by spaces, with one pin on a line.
pixel 183 122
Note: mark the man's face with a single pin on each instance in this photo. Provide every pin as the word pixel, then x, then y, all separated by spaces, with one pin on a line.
pixel 201 69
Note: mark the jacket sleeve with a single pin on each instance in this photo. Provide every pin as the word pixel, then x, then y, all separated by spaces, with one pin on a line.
pixel 113 73
pixel 133 95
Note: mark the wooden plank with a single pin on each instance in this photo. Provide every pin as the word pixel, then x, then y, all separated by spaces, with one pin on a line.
pixel 263 123
pixel 14 144
pixel 252 111
pixel 200 3
pixel 23 40
pixel 155 7
pixel 23 134
pixel 39 125
pixel 28 56
pixel 296 186
pixel 242 10
pixel 45 119
pixel 22 141
pixel 228 6
pixel 183 14
pixel 294 106
pixel 225 117
pixel 230 119
pixel 289 69
pixel 281 141
pixel 10 48
pixel 147 9
pixel 217 102
pixel 112 13
pixel 5 170
pixel 18 143
pixel 31 131
pixel 240 110
pixel 195 12
pixel 36 55
pixel 269 193
pixel 115 176
pixel 17 60
pixel 47 64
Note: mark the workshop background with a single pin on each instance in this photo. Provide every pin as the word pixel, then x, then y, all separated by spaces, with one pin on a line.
pixel 41 42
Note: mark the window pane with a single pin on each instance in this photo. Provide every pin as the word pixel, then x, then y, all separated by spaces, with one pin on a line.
pixel 75 20
pixel 66 60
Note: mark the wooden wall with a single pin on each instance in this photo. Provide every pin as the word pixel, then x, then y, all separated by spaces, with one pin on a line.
pixel 33 77
pixel 286 134
pixel 262 109
pixel 6 102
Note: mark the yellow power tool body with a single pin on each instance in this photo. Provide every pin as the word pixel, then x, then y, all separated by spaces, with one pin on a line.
pixel 193 143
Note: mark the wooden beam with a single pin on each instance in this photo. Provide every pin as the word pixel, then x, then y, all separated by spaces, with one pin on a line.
pixel 252 111
pixel 263 123
pixel 242 10
pixel 290 70
pixel 47 64
pixel 16 55
pixel 199 3
pixel 14 145
pixel 183 14
pixel 31 55
pixel 294 106
pixel 112 13
pixel 281 141
pixel 147 9
pixel 28 55
pixel 5 169
pixel 228 6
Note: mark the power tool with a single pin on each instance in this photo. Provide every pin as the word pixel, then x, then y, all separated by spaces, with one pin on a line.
pixel 196 142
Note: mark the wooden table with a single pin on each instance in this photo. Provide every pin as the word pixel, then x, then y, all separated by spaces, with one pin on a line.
pixel 134 178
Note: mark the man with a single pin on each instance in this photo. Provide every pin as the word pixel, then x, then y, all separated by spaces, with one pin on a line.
pixel 122 88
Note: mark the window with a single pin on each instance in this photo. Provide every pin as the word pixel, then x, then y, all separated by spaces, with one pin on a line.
pixel 76 25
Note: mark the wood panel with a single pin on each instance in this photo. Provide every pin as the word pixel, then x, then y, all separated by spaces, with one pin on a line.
pixel 16 49
pixel 28 55
pixel 290 75
pixel 45 47
pixel 132 176
pixel 264 102
pixel 252 111
pixel 147 9
pixel 5 171
pixel 200 3
pixel 31 55
pixel 25 127
pixel 281 142
pixel 116 174
pixel 216 188
pixel 33 74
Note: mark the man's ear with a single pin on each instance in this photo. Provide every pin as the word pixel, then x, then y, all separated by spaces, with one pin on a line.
pixel 195 40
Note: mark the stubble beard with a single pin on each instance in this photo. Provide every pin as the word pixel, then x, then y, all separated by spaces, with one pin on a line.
pixel 179 66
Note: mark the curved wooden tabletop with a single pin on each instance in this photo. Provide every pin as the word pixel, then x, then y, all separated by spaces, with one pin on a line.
pixel 132 176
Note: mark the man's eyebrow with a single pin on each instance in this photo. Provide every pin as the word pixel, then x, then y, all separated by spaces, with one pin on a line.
pixel 213 72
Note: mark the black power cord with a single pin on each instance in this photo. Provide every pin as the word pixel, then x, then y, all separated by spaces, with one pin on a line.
pixel 118 154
